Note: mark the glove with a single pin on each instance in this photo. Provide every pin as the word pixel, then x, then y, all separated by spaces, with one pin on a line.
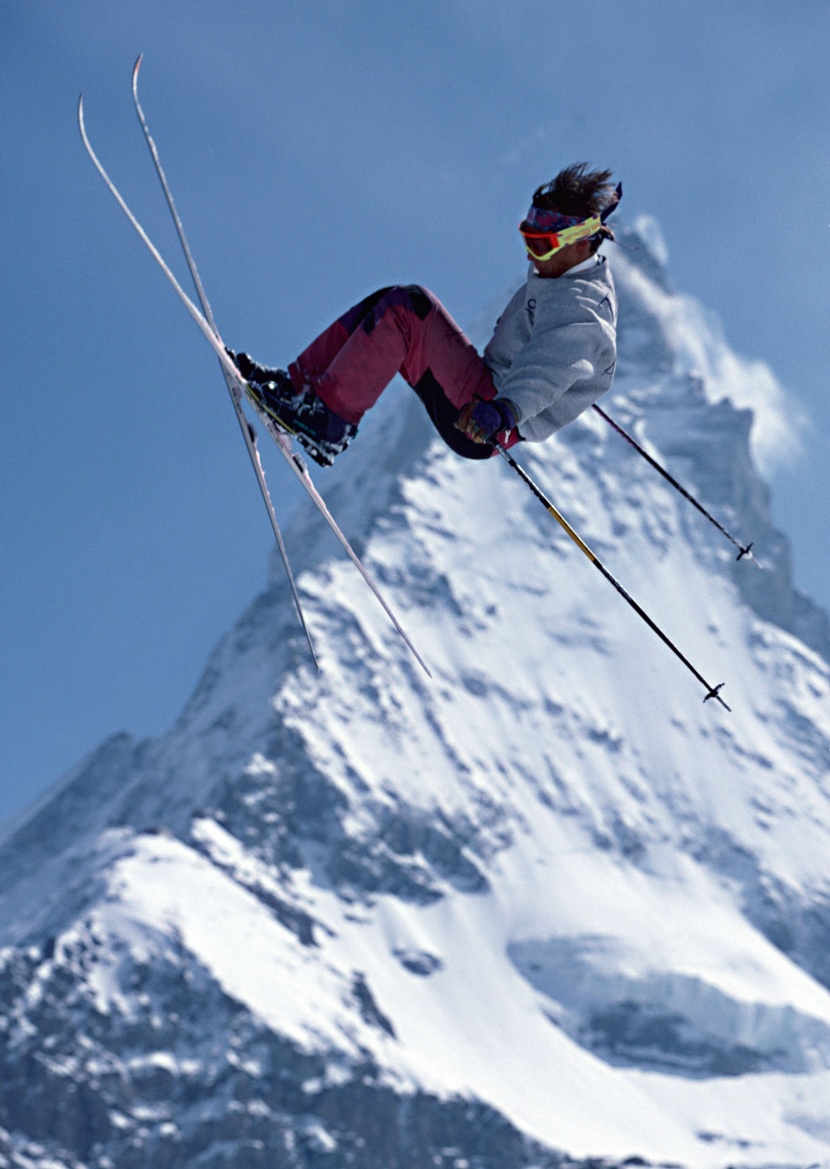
pixel 481 421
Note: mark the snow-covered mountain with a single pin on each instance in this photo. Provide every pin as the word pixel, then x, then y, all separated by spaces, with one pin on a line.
pixel 545 907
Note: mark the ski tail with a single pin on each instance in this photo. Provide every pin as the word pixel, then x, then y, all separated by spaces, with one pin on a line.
pixel 299 468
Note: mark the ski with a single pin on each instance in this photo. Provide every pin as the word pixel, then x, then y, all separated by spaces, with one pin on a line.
pixel 248 434
pixel 212 336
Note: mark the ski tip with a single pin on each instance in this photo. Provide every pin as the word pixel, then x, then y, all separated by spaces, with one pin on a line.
pixel 136 68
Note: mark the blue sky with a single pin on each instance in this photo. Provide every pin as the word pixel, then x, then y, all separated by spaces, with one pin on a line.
pixel 317 150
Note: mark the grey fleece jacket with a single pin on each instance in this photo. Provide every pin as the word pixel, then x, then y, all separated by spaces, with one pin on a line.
pixel 554 347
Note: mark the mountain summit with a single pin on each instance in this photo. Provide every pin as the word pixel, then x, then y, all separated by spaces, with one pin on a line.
pixel 545 907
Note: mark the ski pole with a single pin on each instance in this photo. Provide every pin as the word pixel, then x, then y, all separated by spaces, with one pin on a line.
pixel 742 550
pixel 711 691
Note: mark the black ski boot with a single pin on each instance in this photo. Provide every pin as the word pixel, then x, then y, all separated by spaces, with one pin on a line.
pixel 301 413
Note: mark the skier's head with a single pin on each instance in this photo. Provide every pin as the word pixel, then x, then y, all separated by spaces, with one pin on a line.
pixel 566 221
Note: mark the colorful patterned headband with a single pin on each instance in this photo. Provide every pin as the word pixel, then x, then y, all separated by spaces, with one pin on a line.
pixel 546 219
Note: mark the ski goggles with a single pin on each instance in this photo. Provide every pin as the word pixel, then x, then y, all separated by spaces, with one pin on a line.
pixel 547 232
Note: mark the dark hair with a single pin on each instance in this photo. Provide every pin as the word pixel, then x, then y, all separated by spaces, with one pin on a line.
pixel 576 191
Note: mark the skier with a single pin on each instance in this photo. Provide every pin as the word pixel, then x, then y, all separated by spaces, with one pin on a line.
pixel 551 356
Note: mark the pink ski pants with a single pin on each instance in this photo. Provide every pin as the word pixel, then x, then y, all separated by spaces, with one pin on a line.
pixel 406 330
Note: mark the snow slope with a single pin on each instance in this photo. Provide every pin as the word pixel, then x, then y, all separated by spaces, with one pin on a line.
pixel 547 905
